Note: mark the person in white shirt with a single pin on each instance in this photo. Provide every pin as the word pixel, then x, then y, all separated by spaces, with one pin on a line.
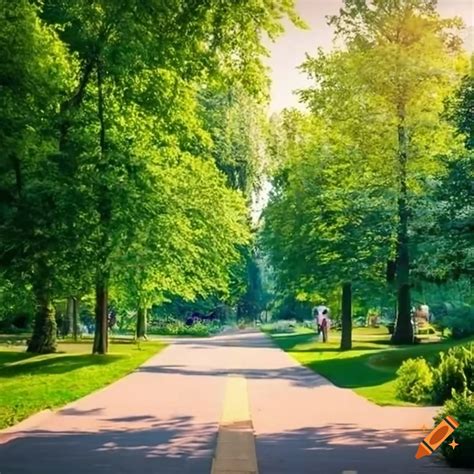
pixel 322 320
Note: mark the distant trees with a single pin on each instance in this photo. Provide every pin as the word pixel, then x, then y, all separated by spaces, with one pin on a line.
pixel 327 225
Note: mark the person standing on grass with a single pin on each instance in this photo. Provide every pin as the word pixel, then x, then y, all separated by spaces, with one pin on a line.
pixel 322 321
pixel 325 325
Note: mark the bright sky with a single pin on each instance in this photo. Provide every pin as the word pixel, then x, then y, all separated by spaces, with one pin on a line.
pixel 288 52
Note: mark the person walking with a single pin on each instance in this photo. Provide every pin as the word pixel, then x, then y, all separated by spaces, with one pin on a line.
pixel 322 321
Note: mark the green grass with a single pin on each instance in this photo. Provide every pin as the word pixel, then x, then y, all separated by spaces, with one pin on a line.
pixel 369 368
pixel 29 384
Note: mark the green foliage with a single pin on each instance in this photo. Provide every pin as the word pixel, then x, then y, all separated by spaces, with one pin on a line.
pixel 460 111
pixel 454 372
pixel 444 224
pixel 235 122
pixel 445 217
pixel 415 380
pixel 17 306
pixel 325 222
pixel 118 174
pixel 460 322
pixel 461 408
pixel 170 327
pixel 347 176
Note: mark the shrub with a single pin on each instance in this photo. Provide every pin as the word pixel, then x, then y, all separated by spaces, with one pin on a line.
pixel 462 323
pixel 460 407
pixel 459 318
pixel 414 381
pixel 455 371
pixel 174 327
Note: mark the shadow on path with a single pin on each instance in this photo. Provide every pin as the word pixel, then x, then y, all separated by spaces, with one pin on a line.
pixel 169 446
pixel 332 449
pixel 298 375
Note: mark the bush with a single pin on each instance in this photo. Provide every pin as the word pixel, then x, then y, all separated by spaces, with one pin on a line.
pixel 455 371
pixel 460 407
pixel 175 327
pixel 414 381
pixel 462 324
pixel 458 318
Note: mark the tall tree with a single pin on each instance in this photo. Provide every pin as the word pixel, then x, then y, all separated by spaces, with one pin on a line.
pixel 327 226
pixel 444 231
pixel 34 79
pixel 400 61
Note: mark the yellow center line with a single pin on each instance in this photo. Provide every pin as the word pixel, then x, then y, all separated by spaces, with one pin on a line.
pixel 235 451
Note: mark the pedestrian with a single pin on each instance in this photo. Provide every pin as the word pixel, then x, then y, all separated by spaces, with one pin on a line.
pixel 325 329
pixel 323 321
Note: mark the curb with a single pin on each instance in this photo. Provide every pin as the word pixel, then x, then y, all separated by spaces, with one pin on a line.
pixel 33 421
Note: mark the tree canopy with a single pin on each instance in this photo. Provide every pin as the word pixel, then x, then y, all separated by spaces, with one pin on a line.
pixel 350 171
pixel 114 179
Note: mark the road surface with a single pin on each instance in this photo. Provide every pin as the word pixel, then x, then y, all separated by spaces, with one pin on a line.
pixel 171 414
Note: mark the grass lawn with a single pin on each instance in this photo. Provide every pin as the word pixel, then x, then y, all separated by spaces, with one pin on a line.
pixel 369 368
pixel 29 384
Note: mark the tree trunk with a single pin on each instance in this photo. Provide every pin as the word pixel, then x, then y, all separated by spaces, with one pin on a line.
pixel 104 208
pixel 101 339
pixel 43 340
pixel 346 336
pixel 75 318
pixel 69 316
pixel 403 333
pixel 141 322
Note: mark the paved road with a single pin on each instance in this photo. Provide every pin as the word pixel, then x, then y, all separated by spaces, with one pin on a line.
pixel 164 418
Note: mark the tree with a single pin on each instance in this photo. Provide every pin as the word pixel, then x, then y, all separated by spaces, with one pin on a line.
pixel 327 226
pixel 182 40
pixel 236 122
pixel 385 93
pixel 34 78
pixel 189 238
pixel 445 218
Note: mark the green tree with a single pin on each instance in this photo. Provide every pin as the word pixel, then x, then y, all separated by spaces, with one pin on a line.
pixel 236 123
pixel 34 79
pixel 445 218
pixel 385 93
pixel 182 41
pixel 189 238
pixel 327 225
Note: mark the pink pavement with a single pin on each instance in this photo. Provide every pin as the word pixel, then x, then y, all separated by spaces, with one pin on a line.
pixel 163 418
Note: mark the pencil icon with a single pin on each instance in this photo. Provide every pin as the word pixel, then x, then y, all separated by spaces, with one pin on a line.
pixel 434 440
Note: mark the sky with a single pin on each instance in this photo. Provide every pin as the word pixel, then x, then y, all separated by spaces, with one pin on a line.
pixel 288 52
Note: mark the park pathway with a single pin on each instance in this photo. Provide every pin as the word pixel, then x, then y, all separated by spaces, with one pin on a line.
pixel 164 418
